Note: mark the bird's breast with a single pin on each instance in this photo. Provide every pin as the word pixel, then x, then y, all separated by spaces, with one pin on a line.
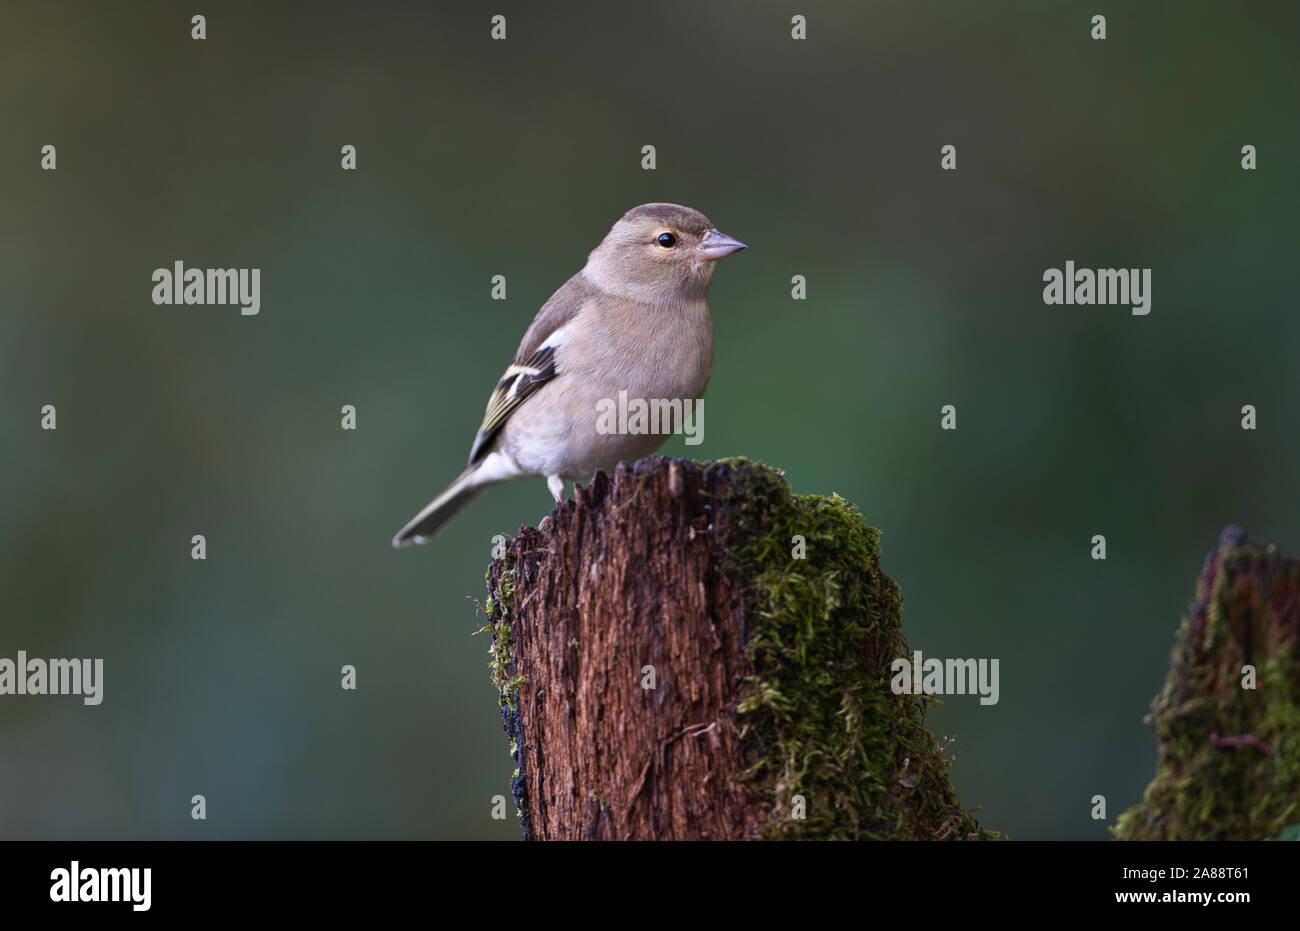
pixel 648 351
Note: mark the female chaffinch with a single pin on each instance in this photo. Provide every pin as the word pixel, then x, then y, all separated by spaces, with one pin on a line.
pixel 633 320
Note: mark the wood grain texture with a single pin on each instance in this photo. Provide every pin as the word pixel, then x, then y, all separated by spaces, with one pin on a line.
pixel 606 592
pixel 771 714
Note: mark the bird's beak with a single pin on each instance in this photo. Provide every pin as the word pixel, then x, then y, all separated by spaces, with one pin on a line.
pixel 715 245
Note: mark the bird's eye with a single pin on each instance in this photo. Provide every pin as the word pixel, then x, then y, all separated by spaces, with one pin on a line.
pixel 667 240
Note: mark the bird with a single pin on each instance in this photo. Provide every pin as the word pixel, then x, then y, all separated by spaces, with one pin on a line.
pixel 634 319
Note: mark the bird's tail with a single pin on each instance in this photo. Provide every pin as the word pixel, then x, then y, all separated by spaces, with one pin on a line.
pixel 441 509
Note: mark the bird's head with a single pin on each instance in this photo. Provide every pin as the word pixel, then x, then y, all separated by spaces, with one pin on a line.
pixel 660 252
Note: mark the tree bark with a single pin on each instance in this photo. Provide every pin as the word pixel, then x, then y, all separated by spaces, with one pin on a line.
pixel 670 666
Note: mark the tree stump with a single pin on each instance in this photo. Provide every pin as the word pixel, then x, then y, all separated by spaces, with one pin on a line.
pixel 692 652
pixel 1229 740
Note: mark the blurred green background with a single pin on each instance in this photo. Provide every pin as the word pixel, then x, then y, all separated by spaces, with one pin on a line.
pixel 479 158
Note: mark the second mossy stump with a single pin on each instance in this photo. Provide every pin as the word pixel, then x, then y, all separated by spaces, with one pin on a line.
pixel 692 652
pixel 1227 720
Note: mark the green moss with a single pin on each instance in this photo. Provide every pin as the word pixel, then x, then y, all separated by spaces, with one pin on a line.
pixel 1211 784
pixel 819 718
pixel 497 609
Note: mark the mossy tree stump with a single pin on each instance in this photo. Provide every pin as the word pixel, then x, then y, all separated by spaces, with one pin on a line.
pixel 1229 739
pixel 669 667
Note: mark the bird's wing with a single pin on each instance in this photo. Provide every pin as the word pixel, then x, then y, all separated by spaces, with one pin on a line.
pixel 534 364
pixel 516 386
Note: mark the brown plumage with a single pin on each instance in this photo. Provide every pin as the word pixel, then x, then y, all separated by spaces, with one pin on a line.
pixel 633 320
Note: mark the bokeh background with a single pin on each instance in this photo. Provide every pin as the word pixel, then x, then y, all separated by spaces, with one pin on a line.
pixel 479 158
